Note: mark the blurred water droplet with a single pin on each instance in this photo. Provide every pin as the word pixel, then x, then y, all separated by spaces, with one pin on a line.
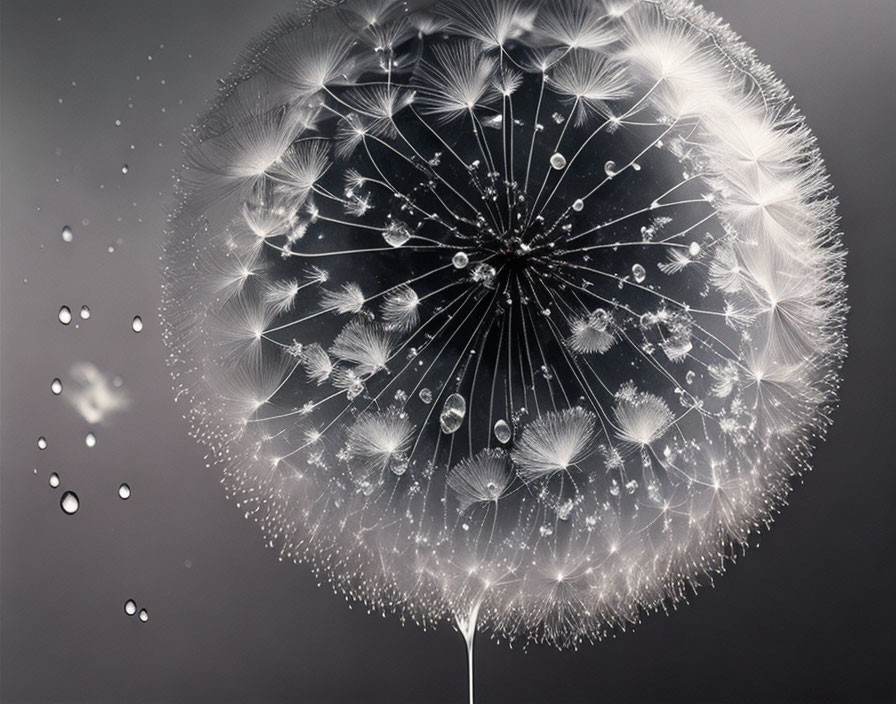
pixel 130 607
pixel 124 168
pixel 41 443
pixel 56 387
pixel 689 377
pixel 610 169
pixel 90 440
pixel 558 162
pixel 144 615
pixel 502 431
pixel 54 480
pixel 67 234
pixel 579 205
pixel 65 315
pixel 632 486
pixel 639 273
pixel 85 312
pixel 137 324
pixel 694 249
pixel 453 413
pixel 69 502
pixel 124 492
pixel 460 260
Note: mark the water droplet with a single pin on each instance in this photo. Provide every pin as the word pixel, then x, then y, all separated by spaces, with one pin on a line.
pixel 579 205
pixel 85 312
pixel 396 234
pixel 639 273
pixel 460 260
pixel 137 324
pixel 694 249
pixel 453 413
pixel 124 492
pixel 41 443
pixel 484 274
pixel 54 480
pixel 614 488
pixel 56 387
pixel 399 466
pixel 124 168
pixel 558 162
pixel 69 502
pixel 631 487
pixel 67 234
pixel 90 440
pixel 144 615
pixel 65 315
pixel 610 169
pixel 425 396
pixel 689 377
pixel 502 431
pixel 130 607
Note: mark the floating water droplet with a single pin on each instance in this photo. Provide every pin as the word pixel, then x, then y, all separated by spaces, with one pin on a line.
pixel 453 413
pixel 124 492
pixel 56 387
pixel 124 168
pixel 90 440
pixel 137 324
pixel 67 234
pixel 694 249
pixel 639 273
pixel 396 234
pixel 41 443
pixel 144 615
pixel 65 315
pixel 579 205
pixel 610 169
pixel 54 480
pixel 502 431
pixel 425 395
pixel 85 312
pixel 460 260
pixel 69 502
pixel 558 162
pixel 130 607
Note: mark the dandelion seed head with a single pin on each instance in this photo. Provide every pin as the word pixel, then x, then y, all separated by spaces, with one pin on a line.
pixel 527 310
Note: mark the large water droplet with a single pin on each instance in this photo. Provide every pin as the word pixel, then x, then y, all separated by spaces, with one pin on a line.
pixel 453 413
pixel 558 162
pixel 143 615
pixel 137 324
pixel 54 480
pixel 579 205
pixel 90 440
pixel 130 607
pixel 396 234
pixel 639 273
pixel 65 315
pixel 124 492
pixel 460 260
pixel 69 502
pixel 56 387
pixel 67 234
pixel 502 431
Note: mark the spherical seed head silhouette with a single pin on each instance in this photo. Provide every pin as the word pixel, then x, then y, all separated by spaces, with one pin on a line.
pixel 522 309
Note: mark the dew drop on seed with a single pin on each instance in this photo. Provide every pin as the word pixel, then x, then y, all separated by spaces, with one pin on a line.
pixel 579 205
pixel 41 443
pixel 610 169
pixel 85 312
pixel 124 492
pixel 502 431
pixel 639 273
pixel 144 615
pixel 130 607
pixel 65 315
pixel 558 162
pixel 397 234
pixel 69 502
pixel 425 395
pixel 137 324
pixel 67 234
pixel 90 440
pixel 56 387
pixel 453 413
pixel 460 260
pixel 54 480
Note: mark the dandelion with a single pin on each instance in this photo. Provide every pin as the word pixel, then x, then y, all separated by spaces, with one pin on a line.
pixel 520 313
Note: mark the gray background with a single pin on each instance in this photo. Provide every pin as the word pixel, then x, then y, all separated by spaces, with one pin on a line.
pixel 808 617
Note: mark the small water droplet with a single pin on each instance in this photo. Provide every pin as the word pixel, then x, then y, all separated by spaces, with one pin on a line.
pixel 85 312
pixel 54 480
pixel 56 387
pixel 610 169
pixel 65 315
pixel 558 162
pixel 69 502
pixel 67 234
pixel 143 615
pixel 631 487
pixel 425 396
pixel 124 492
pixel 453 413
pixel 137 324
pixel 90 440
pixel 502 431
pixel 639 273
pixel 130 607
pixel 694 249
pixel 689 377
pixel 579 205
pixel 124 168
pixel 41 443
pixel 460 260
